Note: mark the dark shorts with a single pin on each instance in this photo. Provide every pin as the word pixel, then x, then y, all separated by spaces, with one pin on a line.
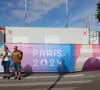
pixel 17 66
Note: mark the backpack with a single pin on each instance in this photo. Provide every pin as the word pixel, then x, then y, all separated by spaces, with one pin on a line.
pixel 21 54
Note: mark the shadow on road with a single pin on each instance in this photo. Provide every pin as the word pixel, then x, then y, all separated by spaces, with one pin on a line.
pixel 62 70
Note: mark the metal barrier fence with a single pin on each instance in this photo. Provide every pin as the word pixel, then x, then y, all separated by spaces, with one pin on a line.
pixel 56 57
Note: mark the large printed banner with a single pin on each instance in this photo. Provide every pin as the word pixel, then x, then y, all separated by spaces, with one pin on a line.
pixel 87 57
pixel 56 57
pixel 46 58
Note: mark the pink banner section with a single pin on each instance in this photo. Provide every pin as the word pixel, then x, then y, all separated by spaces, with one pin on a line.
pixel 87 57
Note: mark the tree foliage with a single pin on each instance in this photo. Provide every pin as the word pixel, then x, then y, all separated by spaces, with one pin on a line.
pixel 98 11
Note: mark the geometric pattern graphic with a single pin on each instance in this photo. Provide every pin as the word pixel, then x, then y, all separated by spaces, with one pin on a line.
pixel 46 57
pixel 87 57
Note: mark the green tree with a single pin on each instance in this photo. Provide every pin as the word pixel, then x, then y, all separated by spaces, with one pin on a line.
pixel 98 11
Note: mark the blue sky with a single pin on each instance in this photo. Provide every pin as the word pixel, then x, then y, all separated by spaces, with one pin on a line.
pixel 46 13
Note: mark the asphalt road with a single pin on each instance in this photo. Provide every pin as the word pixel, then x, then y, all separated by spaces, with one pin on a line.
pixel 53 81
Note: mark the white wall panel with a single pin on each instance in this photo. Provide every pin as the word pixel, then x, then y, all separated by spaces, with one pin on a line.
pixel 39 35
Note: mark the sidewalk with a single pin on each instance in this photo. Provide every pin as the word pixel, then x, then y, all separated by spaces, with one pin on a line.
pixel 23 74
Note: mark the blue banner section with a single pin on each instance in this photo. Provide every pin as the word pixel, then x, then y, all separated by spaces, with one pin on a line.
pixel 1 44
pixel 1 50
pixel 59 58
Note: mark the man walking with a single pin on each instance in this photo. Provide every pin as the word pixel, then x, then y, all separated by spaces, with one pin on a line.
pixel 17 56
pixel 6 56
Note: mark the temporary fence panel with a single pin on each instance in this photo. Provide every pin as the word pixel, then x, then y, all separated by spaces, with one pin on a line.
pixel 1 50
pixel 87 57
pixel 46 57
pixel 56 57
pixel 47 35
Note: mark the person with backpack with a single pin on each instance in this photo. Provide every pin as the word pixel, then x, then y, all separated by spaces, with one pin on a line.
pixel 17 57
pixel 6 57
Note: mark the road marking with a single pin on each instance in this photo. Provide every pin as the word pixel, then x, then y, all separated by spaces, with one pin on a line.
pixel 32 77
pixel 68 88
pixel 45 83
pixel 1 77
pixel 53 77
pixel 80 76
pixel 38 77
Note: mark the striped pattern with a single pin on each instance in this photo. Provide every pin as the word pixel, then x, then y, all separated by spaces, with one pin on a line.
pixel 86 52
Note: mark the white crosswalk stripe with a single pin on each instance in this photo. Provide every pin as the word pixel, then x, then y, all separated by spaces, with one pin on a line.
pixel 37 77
pixel 32 77
pixel 69 88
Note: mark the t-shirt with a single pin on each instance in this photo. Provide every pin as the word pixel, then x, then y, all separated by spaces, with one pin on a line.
pixel 16 57
pixel 7 55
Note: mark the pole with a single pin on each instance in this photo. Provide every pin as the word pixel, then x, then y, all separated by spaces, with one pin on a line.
pixel 4 35
pixel 89 36
pixel 67 13
pixel 25 7
pixel 89 22
pixel 25 13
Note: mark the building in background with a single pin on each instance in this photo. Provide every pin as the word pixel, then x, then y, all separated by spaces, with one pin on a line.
pixel 1 34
